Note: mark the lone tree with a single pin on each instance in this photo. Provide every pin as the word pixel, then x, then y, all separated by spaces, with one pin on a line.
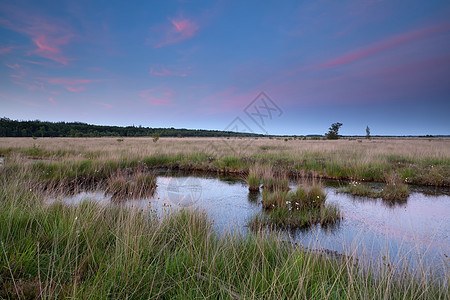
pixel 155 137
pixel 333 131
pixel 367 132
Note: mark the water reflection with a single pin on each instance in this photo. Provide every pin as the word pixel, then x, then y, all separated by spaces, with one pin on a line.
pixel 254 197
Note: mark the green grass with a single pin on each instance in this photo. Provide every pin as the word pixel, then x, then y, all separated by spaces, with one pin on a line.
pixel 360 189
pixel 273 183
pixel 345 165
pixel 394 189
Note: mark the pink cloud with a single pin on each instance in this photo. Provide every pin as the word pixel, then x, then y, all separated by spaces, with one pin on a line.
pixel 71 84
pixel 158 96
pixel 34 62
pixel 52 100
pixel 69 81
pixel 15 66
pixel 181 29
pixel 106 105
pixel 35 86
pixel 166 72
pixel 220 95
pixel 29 103
pixel 75 90
pixel 48 35
pixel 384 45
pixel 5 50
pixel 230 99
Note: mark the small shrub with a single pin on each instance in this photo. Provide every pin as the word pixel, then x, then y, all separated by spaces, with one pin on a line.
pixel 155 137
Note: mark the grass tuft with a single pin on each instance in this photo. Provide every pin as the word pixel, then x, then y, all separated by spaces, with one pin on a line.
pixel 302 208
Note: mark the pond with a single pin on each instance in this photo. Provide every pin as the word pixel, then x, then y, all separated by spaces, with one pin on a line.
pixel 416 230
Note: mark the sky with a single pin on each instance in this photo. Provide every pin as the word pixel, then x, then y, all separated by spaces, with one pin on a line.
pixel 272 67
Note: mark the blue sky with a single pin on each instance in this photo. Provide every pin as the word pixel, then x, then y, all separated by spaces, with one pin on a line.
pixel 200 64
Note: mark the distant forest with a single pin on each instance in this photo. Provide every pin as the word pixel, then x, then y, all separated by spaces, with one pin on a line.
pixel 14 128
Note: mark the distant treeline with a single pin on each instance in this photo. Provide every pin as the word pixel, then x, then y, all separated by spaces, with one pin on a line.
pixel 14 128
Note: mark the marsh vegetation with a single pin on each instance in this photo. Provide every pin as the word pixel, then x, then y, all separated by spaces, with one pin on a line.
pixel 96 251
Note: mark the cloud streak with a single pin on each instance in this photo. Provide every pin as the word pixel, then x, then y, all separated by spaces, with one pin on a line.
pixel 47 34
pixel 180 29
pixel 383 46
pixel 158 96
pixel 105 105
pixel 5 50
pixel 163 71
pixel 73 85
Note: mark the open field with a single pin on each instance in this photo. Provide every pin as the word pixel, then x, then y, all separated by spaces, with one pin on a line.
pixel 414 160
pixel 93 251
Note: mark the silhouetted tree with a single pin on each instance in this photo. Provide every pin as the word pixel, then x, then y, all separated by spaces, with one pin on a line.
pixel 155 137
pixel 333 131
pixel 367 132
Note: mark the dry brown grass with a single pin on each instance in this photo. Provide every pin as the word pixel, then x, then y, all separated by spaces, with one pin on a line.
pixel 344 149
pixel 415 160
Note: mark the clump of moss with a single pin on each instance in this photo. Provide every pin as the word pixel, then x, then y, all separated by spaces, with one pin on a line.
pixel 296 209
pixel 123 186
pixel 360 189
pixel 395 189
pixel 272 182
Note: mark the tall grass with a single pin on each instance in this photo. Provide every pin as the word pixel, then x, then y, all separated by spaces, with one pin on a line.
pixel 395 189
pixel 254 178
pixel 302 208
pixel 123 185
pixel 419 161
pixel 92 251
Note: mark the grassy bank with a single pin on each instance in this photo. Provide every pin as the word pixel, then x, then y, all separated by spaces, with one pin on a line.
pixel 415 161
pixel 394 189
pixel 92 251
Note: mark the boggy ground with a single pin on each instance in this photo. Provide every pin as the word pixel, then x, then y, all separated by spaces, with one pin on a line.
pixel 415 160
pixel 92 251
